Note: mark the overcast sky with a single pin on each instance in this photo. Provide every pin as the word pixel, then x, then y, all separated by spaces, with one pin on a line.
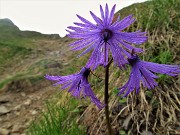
pixel 53 16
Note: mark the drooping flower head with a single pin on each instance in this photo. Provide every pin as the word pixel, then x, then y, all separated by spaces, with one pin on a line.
pixel 78 84
pixel 105 36
pixel 144 71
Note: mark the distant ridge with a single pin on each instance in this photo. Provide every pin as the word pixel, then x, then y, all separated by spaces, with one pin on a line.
pixel 6 24
pixel 9 29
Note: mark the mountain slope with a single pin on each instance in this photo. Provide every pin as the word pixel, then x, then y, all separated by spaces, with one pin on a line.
pixel 23 51
pixel 25 57
pixel 151 112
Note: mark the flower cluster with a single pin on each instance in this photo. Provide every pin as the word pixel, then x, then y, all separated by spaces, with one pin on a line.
pixel 106 38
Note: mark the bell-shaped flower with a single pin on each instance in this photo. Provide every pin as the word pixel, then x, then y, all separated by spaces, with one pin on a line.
pixel 143 71
pixel 78 85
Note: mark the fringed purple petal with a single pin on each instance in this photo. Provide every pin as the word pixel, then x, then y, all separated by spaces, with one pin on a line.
pixel 128 46
pixel 106 54
pixel 133 82
pixel 123 88
pixel 106 15
pixel 86 21
pixel 81 35
pixel 135 38
pixel 87 50
pixel 88 92
pixel 95 58
pixel 74 86
pixel 126 22
pixel 78 29
pixel 172 70
pixel 97 19
pixel 102 13
pixel 52 77
pixel 117 54
pixel 149 79
pixel 84 25
pixel 66 85
pixel 85 44
pixel 111 15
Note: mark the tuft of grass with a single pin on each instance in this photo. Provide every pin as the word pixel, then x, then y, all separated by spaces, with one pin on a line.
pixel 58 120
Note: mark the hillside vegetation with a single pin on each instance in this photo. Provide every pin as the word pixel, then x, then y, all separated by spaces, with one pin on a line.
pixel 23 53
pixel 151 112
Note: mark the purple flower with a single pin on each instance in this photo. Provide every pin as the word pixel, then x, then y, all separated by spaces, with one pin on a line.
pixel 78 84
pixel 143 71
pixel 104 36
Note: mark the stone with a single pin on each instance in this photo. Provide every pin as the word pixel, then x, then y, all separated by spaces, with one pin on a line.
pixel 17 113
pixel 146 133
pixel 15 134
pixel 18 107
pixel 3 110
pixel 38 97
pixel 28 102
pixel 4 100
pixel 34 112
pixel 8 125
pixel 8 104
pixel 4 131
pixel 23 94
pixel 17 129
pixel 65 64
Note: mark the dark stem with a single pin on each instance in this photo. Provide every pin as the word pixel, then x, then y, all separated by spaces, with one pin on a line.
pixel 106 96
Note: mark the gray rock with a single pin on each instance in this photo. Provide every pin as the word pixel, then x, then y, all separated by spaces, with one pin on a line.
pixel 65 64
pixel 4 131
pixel 18 107
pixel 17 129
pixel 3 110
pixel 7 125
pixel 4 100
pixel 17 113
pixel 23 94
pixel 28 102
pixel 38 97
pixel 15 134
pixel 34 112
pixel 146 133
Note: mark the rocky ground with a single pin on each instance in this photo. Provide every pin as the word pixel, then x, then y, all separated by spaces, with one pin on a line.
pixel 18 109
pixel 21 102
